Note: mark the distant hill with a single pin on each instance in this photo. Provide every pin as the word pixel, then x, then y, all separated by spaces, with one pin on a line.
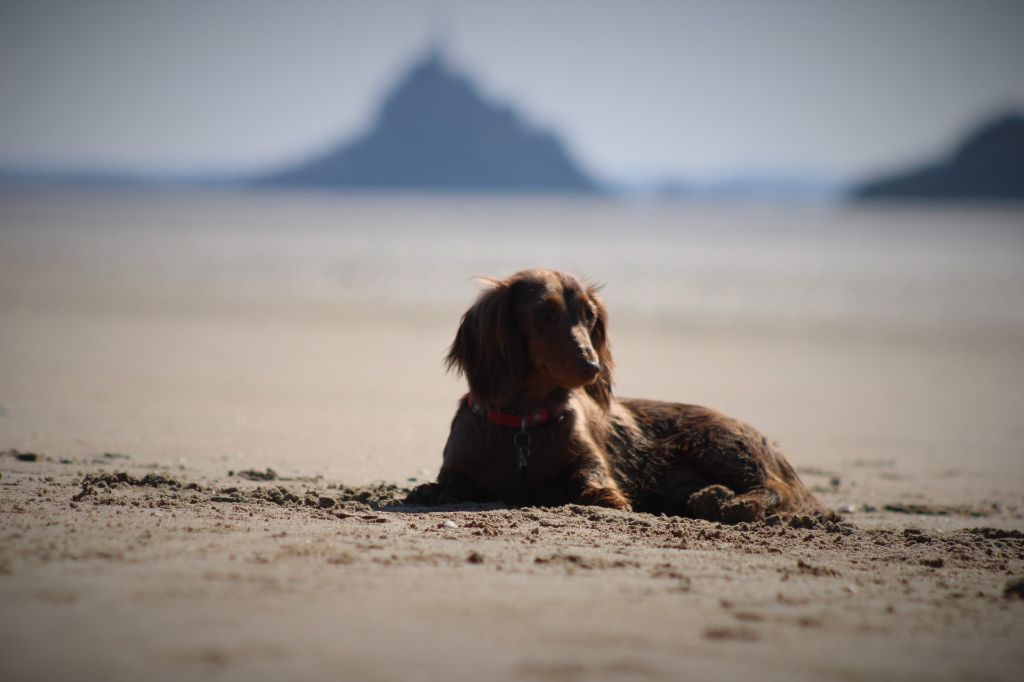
pixel 434 131
pixel 988 164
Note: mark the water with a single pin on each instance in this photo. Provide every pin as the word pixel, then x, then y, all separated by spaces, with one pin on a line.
pixel 895 266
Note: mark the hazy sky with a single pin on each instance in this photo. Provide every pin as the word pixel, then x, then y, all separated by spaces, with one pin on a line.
pixel 638 88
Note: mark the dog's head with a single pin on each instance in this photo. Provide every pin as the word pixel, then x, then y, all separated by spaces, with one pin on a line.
pixel 534 333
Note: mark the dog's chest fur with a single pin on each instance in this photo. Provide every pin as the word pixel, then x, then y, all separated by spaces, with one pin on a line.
pixel 489 454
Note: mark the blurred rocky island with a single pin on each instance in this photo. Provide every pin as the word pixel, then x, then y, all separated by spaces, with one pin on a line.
pixel 987 165
pixel 436 132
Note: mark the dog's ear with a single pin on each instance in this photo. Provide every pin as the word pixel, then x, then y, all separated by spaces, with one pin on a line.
pixel 601 389
pixel 488 347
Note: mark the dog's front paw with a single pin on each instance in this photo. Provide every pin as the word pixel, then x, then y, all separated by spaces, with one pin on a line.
pixel 426 494
pixel 605 497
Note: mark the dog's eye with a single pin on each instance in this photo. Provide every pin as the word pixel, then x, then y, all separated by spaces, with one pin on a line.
pixel 588 316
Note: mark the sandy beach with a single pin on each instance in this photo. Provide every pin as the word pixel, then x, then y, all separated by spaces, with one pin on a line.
pixel 159 355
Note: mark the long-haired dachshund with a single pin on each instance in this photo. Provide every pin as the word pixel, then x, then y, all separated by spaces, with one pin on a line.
pixel 540 425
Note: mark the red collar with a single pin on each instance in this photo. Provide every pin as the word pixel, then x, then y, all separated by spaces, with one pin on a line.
pixel 519 421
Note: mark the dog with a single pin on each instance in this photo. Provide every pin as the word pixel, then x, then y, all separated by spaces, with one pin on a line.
pixel 540 425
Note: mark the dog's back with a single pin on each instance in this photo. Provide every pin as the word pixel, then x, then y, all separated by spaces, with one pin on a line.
pixel 693 461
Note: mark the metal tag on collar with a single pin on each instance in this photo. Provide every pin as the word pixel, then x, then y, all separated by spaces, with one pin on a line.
pixel 522 442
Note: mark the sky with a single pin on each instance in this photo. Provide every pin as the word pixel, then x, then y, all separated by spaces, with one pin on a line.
pixel 639 89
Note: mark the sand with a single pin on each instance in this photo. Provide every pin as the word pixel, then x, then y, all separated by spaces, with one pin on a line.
pixel 142 535
pixel 145 572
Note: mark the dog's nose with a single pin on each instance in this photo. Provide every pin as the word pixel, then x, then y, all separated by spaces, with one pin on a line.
pixel 588 368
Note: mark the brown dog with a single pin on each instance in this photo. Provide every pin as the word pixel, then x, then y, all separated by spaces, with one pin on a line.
pixel 540 425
